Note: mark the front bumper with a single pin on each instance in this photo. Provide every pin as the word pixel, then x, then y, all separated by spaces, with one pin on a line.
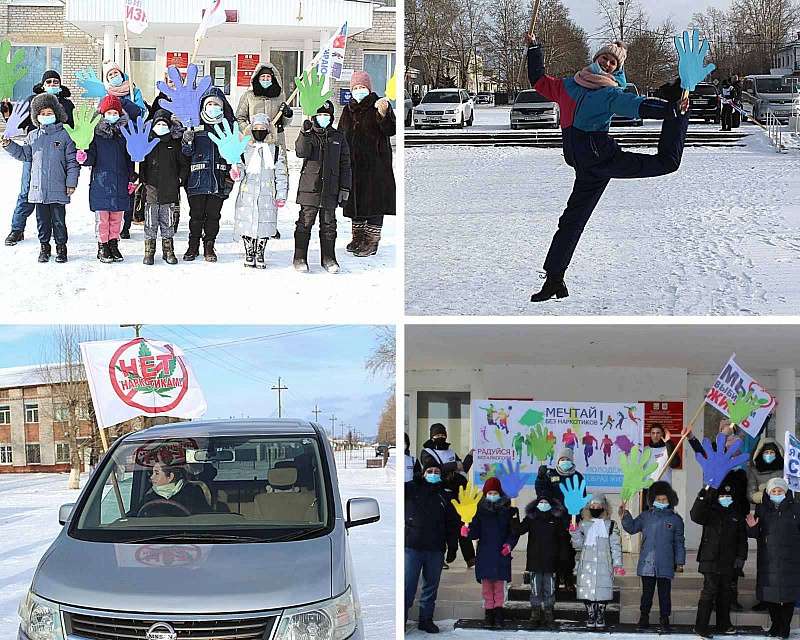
pixel 531 120
pixel 447 120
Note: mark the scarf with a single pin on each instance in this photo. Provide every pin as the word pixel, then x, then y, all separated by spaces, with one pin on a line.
pixel 596 531
pixel 168 490
pixel 589 80
pixel 262 154
pixel 122 90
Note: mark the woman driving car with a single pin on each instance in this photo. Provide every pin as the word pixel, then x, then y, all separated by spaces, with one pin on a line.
pixel 172 494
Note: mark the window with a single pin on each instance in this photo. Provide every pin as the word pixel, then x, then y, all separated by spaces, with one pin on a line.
pixel 61 413
pixel 5 414
pixel 5 454
pixel 451 408
pixel 82 412
pixel 62 452
pixel 33 454
pixel 380 67
pixel 143 68
pixel 289 65
pixel 31 412
pixel 38 59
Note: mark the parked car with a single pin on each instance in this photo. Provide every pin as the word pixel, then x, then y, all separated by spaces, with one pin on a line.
pixel 624 121
pixel 444 107
pixel 704 103
pixel 253 544
pixel 531 108
pixel 484 97
pixel 762 92
pixel 379 450
pixel 408 108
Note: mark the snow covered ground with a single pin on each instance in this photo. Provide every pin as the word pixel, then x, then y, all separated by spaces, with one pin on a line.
pixel 29 522
pixel 719 237
pixel 225 292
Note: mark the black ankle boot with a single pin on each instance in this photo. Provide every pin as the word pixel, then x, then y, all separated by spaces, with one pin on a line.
pixel 553 287
pixel 301 240
pixel 327 246
pixel 14 237
pixel 208 251
pixel 192 251
pixel 105 253
pixel 644 621
pixel 427 626
pixel 113 246
pixel 61 252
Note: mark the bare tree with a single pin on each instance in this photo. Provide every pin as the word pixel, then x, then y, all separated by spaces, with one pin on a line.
pixel 505 35
pixel 632 17
pixel 651 56
pixel 381 362
pixel 565 47
pixel 428 28
pixel 387 425
pixel 468 29
pixel 763 26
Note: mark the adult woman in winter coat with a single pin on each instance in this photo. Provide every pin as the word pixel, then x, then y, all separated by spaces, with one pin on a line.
pixel 494 528
pixel 266 96
pixel 111 180
pixel 171 494
pixel 776 527
pixel 369 123
pixel 765 464
pixel 210 182
pixel 587 103
pixel 263 190
pixel 597 541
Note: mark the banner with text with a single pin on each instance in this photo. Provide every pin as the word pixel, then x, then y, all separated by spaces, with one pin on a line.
pixel 533 432
pixel 791 461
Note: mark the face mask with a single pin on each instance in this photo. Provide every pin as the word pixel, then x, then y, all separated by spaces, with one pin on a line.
pixel 116 81
pixel 660 505
pixel 359 94
pixel 596 68
pixel 769 458
pixel 777 499
pixel 323 120
pixel 259 135
pixel 433 478
pixel 213 111
pixel 596 513
pixel 47 119
pixel 544 506
pixel 53 90
pixel 265 84
pixel 493 498
pixel 161 129
pixel 565 465
pixel 111 119
pixel 725 501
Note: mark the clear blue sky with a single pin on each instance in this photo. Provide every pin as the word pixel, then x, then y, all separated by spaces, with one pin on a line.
pixel 323 366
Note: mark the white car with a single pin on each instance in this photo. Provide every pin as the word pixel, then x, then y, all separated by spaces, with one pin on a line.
pixel 444 108
pixel 531 109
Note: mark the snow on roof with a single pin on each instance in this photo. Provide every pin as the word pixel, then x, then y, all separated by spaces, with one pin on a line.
pixel 33 375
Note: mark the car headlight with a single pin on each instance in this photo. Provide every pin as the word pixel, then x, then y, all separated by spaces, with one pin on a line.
pixel 333 619
pixel 41 619
pixel 419 112
pixel 450 111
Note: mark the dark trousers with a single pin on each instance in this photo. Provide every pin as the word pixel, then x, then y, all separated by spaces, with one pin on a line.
pixel 716 594
pixel 375 221
pixel 649 584
pixel 727 117
pixel 51 221
pixel 23 209
pixel 205 212
pixel 429 564
pixel 308 216
pixel 592 178
pixel 780 616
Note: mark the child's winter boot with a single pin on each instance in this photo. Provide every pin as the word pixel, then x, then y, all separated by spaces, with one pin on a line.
pixel 644 621
pixel 61 253
pixel 664 626
pixel 490 618
pixel 549 617
pixel 249 251
pixel 327 245
pixel 372 238
pixel 105 253
pixel 149 252
pixel 113 247
pixel 499 617
pixel 168 251
pixel 553 287
pixel 44 252
pixel 99 250
pixel 591 616
pixel 536 616
pixel 192 251
pixel 600 615
pixel 14 237
pixel 359 226
pixel 427 626
pixel 208 251
pixel 301 241
pixel 261 246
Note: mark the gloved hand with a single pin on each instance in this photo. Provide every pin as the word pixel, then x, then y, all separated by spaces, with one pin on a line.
pixel 344 194
pixel 619 571
pixel 286 110
pixel 188 136
pixel 307 125
pixel 573 527
pixel 506 550
pixel 80 156
pixel 235 173
pixel 131 188
pixel 280 203
pixel 464 531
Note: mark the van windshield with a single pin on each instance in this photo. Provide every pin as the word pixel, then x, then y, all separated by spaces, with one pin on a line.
pixel 214 489
pixel 773 85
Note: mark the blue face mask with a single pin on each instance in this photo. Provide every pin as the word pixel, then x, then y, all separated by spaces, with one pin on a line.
pixel 359 94
pixel 53 91
pixel 565 465
pixel 725 501
pixel 161 129
pixel 323 119
pixel 433 478
pixel 116 81
pixel 769 458
pixel 493 498
pixel 544 506
pixel 596 68
pixel 213 111
pixel 111 119
pixel 47 119
pixel 265 84
pixel 660 505
pixel 777 499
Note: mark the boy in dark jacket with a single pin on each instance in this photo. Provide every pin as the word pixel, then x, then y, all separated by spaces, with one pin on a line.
pixel 325 182
pixel 548 547
pixel 163 171
pixel 431 526
pixel 722 552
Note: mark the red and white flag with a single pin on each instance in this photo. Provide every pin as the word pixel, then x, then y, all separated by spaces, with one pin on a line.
pixel 140 377
pixel 331 57
pixel 135 16
pixel 213 16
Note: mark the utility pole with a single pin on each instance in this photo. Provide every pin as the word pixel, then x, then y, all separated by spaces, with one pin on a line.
pixel 280 388
pixel 622 20
pixel 333 429
pixel 137 328
pixel 316 412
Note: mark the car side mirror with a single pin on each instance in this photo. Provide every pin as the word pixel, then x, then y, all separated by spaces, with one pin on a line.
pixel 64 513
pixel 362 511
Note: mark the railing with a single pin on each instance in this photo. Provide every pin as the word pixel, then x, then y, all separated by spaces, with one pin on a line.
pixel 774 130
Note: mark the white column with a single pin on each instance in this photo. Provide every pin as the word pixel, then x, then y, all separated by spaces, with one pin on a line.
pixel 696 390
pixel 308 52
pixel 109 40
pixel 119 55
pixel 785 418
pixel 161 57
pixel 265 51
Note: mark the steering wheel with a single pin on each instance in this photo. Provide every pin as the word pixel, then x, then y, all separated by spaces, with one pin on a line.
pixel 160 502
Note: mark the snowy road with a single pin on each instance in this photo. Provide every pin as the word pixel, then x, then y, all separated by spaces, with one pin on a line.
pixel 719 237
pixel 83 289
pixel 29 522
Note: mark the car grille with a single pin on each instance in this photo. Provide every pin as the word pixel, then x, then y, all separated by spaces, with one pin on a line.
pixel 434 113
pixel 93 627
pixel 533 112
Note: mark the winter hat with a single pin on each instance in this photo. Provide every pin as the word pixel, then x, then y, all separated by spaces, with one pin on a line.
pixel 566 452
pixel 327 107
pixel 492 484
pixel 212 98
pixel 162 115
pixel 616 49
pixel 662 488
pixel 259 118
pixel 108 66
pixel 438 429
pixel 46 101
pixel 727 490
pixel 110 102
pixel 361 78
pixel 598 498
pixel 777 482
pixel 50 74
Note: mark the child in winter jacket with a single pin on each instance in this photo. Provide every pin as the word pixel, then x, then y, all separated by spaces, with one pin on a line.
pixel 596 539
pixel 262 192
pixel 325 182
pixel 112 177
pixel 54 171
pixel 548 544
pixel 722 553
pixel 210 182
pixel 662 550
pixel 163 171
pixel 494 528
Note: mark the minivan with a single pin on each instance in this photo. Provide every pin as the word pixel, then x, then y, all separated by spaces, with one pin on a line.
pixel 204 530
pixel 762 92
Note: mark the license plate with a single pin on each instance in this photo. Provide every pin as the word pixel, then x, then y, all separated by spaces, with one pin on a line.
pixel 432 120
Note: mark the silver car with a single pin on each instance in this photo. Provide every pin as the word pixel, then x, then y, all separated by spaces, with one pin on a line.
pixel 531 109
pixel 761 93
pixel 204 530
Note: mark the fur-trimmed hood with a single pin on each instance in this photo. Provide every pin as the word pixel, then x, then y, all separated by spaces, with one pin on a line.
pixel 556 510
pixel 277 83
pixel 227 109
pixel 503 503
pixel 662 488
pixel 44 101
pixel 105 129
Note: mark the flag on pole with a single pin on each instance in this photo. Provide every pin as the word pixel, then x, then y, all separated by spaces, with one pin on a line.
pixel 135 16
pixel 213 16
pixel 391 88
pixel 140 377
pixel 331 57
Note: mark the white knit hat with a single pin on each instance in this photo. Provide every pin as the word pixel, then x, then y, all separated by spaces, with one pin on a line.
pixel 616 49
pixel 777 482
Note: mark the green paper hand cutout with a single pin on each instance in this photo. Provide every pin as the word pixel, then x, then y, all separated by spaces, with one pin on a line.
pixel 309 86
pixel 741 408
pixel 540 447
pixel 82 133
pixel 10 72
pixel 531 418
pixel 635 472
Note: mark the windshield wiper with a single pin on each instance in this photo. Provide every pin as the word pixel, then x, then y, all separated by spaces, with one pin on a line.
pixel 193 537
pixel 299 535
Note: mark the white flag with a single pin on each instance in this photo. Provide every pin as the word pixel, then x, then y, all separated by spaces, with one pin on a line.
pixel 214 15
pixel 140 377
pixel 331 57
pixel 135 16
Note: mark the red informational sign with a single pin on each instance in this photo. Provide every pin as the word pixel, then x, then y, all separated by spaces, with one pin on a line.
pixel 669 415
pixel 246 64
pixel 178 59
